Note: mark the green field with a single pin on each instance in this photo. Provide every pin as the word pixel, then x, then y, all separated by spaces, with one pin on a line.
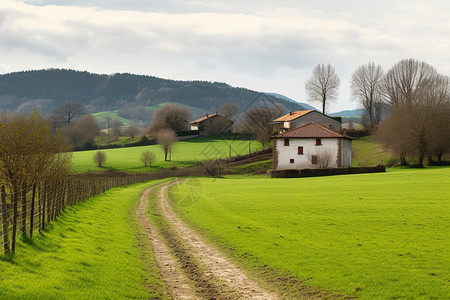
pixel 185 153
pixel 96 249
pixel 381 236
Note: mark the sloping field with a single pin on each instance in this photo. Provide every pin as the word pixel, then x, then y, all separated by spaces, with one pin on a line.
pixel 185 153
pixel 381 235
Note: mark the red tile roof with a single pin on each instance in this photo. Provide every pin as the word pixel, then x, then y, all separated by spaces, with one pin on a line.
pixel 311 130
pixel 292 115
pixel 204 118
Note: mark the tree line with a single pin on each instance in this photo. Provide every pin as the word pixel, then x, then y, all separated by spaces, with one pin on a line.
pixel 408 106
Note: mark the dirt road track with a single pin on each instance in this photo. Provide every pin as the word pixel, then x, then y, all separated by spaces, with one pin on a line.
pixel 191 268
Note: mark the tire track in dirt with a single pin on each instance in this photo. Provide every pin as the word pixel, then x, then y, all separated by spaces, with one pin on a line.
pixel 227 280
pixel 178 285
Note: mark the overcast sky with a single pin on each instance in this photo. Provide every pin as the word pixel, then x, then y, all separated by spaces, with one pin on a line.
pixel 269 46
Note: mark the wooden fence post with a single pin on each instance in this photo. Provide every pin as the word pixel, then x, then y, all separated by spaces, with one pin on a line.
pixel 4 219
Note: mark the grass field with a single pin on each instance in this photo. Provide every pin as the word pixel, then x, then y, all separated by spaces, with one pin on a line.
pixel 366 152
pixel 185 153
pixel 95 249
pixel 381 236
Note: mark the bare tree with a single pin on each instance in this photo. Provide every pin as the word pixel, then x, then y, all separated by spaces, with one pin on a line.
pixel 170 116
pixel 84 130
pixel 323 85
pixel 68 113
pixel 258 121
pixel 166 138
pixel 417 95
pixel 147 157
pixel 366 86
pixel 229 110
pixel 99 158
pixel 131 131
pixel 29 152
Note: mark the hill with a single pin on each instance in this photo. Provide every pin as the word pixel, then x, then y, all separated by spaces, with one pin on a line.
pixel 303 106
pixel 51 88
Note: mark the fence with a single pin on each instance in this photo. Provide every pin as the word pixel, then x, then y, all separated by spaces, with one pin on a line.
pixel 28 210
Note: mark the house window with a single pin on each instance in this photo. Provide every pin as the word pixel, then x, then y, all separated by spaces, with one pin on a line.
pixel 318 142
pixel 314 159
pixel 286 142
pixel 300 150
pixel 292 160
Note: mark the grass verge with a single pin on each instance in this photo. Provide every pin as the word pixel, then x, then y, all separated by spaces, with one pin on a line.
pixel 381 235
pixel 96 249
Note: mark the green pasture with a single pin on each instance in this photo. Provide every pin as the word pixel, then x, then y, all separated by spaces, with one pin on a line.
pixel 375 236
pixel 185 153
pixel 95 250
pixel 367 152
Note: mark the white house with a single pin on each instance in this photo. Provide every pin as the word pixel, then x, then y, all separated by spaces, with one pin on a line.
pixel 299 118
pixel 311 146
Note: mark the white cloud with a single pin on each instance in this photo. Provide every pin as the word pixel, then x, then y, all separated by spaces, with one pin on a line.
pixel 271 46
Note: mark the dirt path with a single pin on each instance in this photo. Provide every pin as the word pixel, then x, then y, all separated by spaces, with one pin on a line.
pixel 179 286
pixel 213 275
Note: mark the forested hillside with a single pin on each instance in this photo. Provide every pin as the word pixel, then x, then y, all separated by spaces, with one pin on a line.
pixel 48 89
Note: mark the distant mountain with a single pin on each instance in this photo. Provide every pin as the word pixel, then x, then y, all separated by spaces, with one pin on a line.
pixel 348 113
pixel 51 88
pixel 304 106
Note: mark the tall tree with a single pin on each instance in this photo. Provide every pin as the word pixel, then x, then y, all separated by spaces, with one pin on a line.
pixel 84 131
pixel 68 113
pixel 366 87
pixel 170 116
pixel 257 121
pixel 323 85
pixel 417 95
pixel 229 110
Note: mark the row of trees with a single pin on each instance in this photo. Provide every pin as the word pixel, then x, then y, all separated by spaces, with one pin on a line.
pixel 409 105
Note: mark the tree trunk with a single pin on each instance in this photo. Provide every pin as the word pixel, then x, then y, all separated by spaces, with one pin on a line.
pixel 403 160
pixel 32 210
pixel 4 220
pixel 23 200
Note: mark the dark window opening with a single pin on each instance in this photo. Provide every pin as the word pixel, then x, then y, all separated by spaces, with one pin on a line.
pixel 314 159
pixel 292 160
pixel 300 150
pixel 318 142
pixel 286 142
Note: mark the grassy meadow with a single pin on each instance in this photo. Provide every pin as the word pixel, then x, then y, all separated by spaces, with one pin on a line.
pixel 381 236
pixel 95 249
pixel 185 153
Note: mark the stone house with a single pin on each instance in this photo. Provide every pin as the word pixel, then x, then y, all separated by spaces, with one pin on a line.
pixel 299 118
pixel 311 146
pixel 212 124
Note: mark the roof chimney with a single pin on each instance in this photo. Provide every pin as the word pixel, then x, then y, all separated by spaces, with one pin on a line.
pixel 217 111
pixel 344 131
pixel 330 126
pixel 290 113
pixel 207 115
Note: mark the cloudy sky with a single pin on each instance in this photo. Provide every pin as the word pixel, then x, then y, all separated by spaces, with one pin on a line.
pixel 269 46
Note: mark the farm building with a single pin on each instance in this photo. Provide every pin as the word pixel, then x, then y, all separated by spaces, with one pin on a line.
pixel 299 118
pixel 311 146
pixel 211 124
pixel 352 125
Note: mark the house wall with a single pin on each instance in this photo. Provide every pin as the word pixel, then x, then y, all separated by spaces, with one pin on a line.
pixel 328 148
pixel 346 153
pixel 318 118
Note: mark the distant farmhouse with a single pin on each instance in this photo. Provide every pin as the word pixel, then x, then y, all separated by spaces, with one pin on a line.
pixel 299 118
pixel 211 124
pixel 352 125
pixel 312 146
